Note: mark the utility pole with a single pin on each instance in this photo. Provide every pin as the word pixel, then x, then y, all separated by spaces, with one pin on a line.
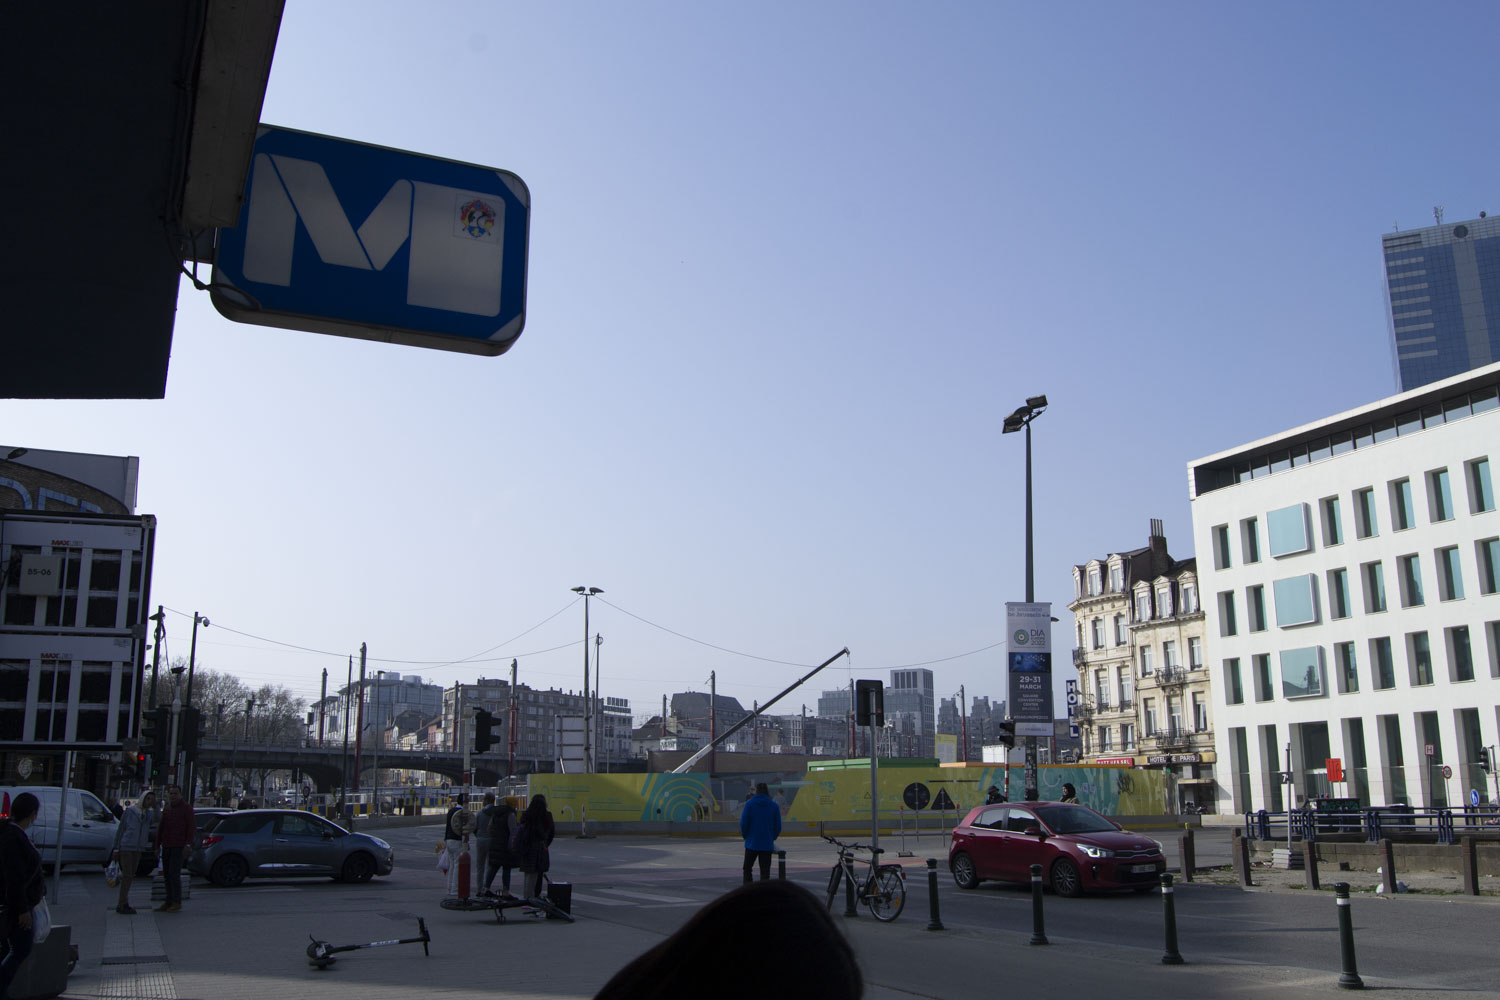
pixel 963 721
pixel 853 749
pixel 344 757
pixel 157 636
pixel 359 722
pixel 458 729
pixel 586 592
pixel 514 701
pixel 713 718
pixel 323 707
pixel 598 696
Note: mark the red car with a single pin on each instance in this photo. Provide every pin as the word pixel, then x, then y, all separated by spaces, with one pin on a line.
pixel 1077 848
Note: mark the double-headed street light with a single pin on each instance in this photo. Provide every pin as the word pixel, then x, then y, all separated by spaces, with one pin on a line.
pixel 588 721
pixel 1021 420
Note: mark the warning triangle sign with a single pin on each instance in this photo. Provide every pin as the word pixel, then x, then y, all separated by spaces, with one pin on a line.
pixel 942 801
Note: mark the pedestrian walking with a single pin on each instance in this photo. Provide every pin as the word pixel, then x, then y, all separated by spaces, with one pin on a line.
pixel 482 836
pixel 453 839
pixel 500 859
pixel 760 825
pixel 174 836
pixel 530 843
pixel 994 797
pixel 23 887
pixel 132 843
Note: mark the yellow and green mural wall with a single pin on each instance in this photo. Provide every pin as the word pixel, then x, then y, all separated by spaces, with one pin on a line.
pixel 839 794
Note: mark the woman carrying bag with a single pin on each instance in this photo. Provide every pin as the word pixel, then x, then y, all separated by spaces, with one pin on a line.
pixel 133 847
pixel 21 868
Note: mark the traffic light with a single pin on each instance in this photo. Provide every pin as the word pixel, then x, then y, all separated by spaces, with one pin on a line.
pixel 155 732
pixel 140 768
pixel 484 730
pixel 193 726
pixel 1007 734
pixel 869 703
pixel 1487 760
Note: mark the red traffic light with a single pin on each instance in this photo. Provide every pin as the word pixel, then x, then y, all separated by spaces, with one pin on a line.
pixel 140 758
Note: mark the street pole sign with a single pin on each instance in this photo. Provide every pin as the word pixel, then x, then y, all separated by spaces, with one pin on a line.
pixel 1028 648
pixel 346 238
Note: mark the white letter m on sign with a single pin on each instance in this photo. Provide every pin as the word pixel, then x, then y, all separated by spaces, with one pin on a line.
pixel 453 266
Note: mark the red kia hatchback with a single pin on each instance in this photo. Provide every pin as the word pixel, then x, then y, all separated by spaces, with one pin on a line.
pixel 1077 848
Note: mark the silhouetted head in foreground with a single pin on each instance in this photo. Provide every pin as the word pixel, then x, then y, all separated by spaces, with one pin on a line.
pixel 775 924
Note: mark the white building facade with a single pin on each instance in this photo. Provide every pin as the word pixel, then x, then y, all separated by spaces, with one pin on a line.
pixel 1348 571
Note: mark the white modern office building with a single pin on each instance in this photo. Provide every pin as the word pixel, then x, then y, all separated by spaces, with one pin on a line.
pixel 1349 575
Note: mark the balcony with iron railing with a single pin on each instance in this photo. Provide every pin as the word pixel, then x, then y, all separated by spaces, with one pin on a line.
pixel 1171 676
pixel 1175 738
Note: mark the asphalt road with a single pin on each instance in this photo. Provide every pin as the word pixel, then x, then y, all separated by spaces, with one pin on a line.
pixel 249 942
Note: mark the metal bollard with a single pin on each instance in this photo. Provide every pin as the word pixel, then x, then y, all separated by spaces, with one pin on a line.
pixel 1388 865
pixel 1240 847
pixel 781 865
pixel 1349 977
pixel 1171 956
pixel 934 922
pixel 1189 854
pixel 1038 930
pixel 1310 864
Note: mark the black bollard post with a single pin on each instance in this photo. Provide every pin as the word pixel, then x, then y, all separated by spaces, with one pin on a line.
pixel 1310 864
pixel 1038 930
pixel 1171 956
pixel 934 922
pixel 1189 854
pixel 849 910
pixel 781 865
pixel 1349 977
pixel 1388 865
pixel 1240 850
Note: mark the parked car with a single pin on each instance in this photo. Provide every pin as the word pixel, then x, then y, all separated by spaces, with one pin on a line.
pixel 89 830
pixel 282 843
pixel 1077 848
pixel 204 815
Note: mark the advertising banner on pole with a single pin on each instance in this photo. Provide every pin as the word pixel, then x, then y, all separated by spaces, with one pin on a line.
pixel 1028 658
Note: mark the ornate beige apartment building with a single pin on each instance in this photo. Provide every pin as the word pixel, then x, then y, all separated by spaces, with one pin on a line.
pixel 1143 682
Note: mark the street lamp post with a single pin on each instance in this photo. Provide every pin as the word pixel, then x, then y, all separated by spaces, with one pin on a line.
pixel 1021 420
pixel 193 654
pixel 379 736
pixel 588 721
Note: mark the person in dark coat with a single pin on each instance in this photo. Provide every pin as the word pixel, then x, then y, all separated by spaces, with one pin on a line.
pixel 534 836
pixel 760 825
pixel 21 869
pixel 1070 794
pixel 776 918
pixel 503 823
pixel 994 797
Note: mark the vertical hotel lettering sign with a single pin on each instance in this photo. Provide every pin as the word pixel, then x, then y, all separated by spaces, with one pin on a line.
pixel 1028 657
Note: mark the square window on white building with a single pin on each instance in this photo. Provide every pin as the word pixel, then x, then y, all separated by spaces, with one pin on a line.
pixel 1262 665
pixel 1410 567
pixel 1221 546
pixel 1338 593
pixel 1301 673
pixel 1234 688
pixel 1333 525
pixel 1439 496
pixel 1450 574
pixel 1481 490
pixel 1296 600
pixel 1419 658
pixel 1250 539
pixel 1373 575
pixel 1227 624
pixel 1255 608
pixel 1382 665
pixel 1288 530
pixel 1460 654
pixel 1345 663
pixel 1402 515
pixel 1487 554
pixel 1366 524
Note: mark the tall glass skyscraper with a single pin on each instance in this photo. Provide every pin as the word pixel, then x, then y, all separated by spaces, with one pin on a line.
pixel 1442 292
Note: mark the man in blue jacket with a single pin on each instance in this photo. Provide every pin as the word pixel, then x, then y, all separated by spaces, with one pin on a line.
pixel 760 825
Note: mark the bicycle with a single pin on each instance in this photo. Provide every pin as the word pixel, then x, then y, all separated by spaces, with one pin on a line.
pixel 884 887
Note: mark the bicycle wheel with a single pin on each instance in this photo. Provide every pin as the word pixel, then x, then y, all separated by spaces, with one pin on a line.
pixel 885 893
pixel 833 883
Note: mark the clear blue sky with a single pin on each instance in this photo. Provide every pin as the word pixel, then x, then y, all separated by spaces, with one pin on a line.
pixel 791 265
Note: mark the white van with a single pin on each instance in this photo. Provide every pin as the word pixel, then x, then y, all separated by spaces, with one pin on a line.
pixel 89 836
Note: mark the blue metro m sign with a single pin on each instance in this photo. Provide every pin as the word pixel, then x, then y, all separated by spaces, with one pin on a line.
pixel 362 241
